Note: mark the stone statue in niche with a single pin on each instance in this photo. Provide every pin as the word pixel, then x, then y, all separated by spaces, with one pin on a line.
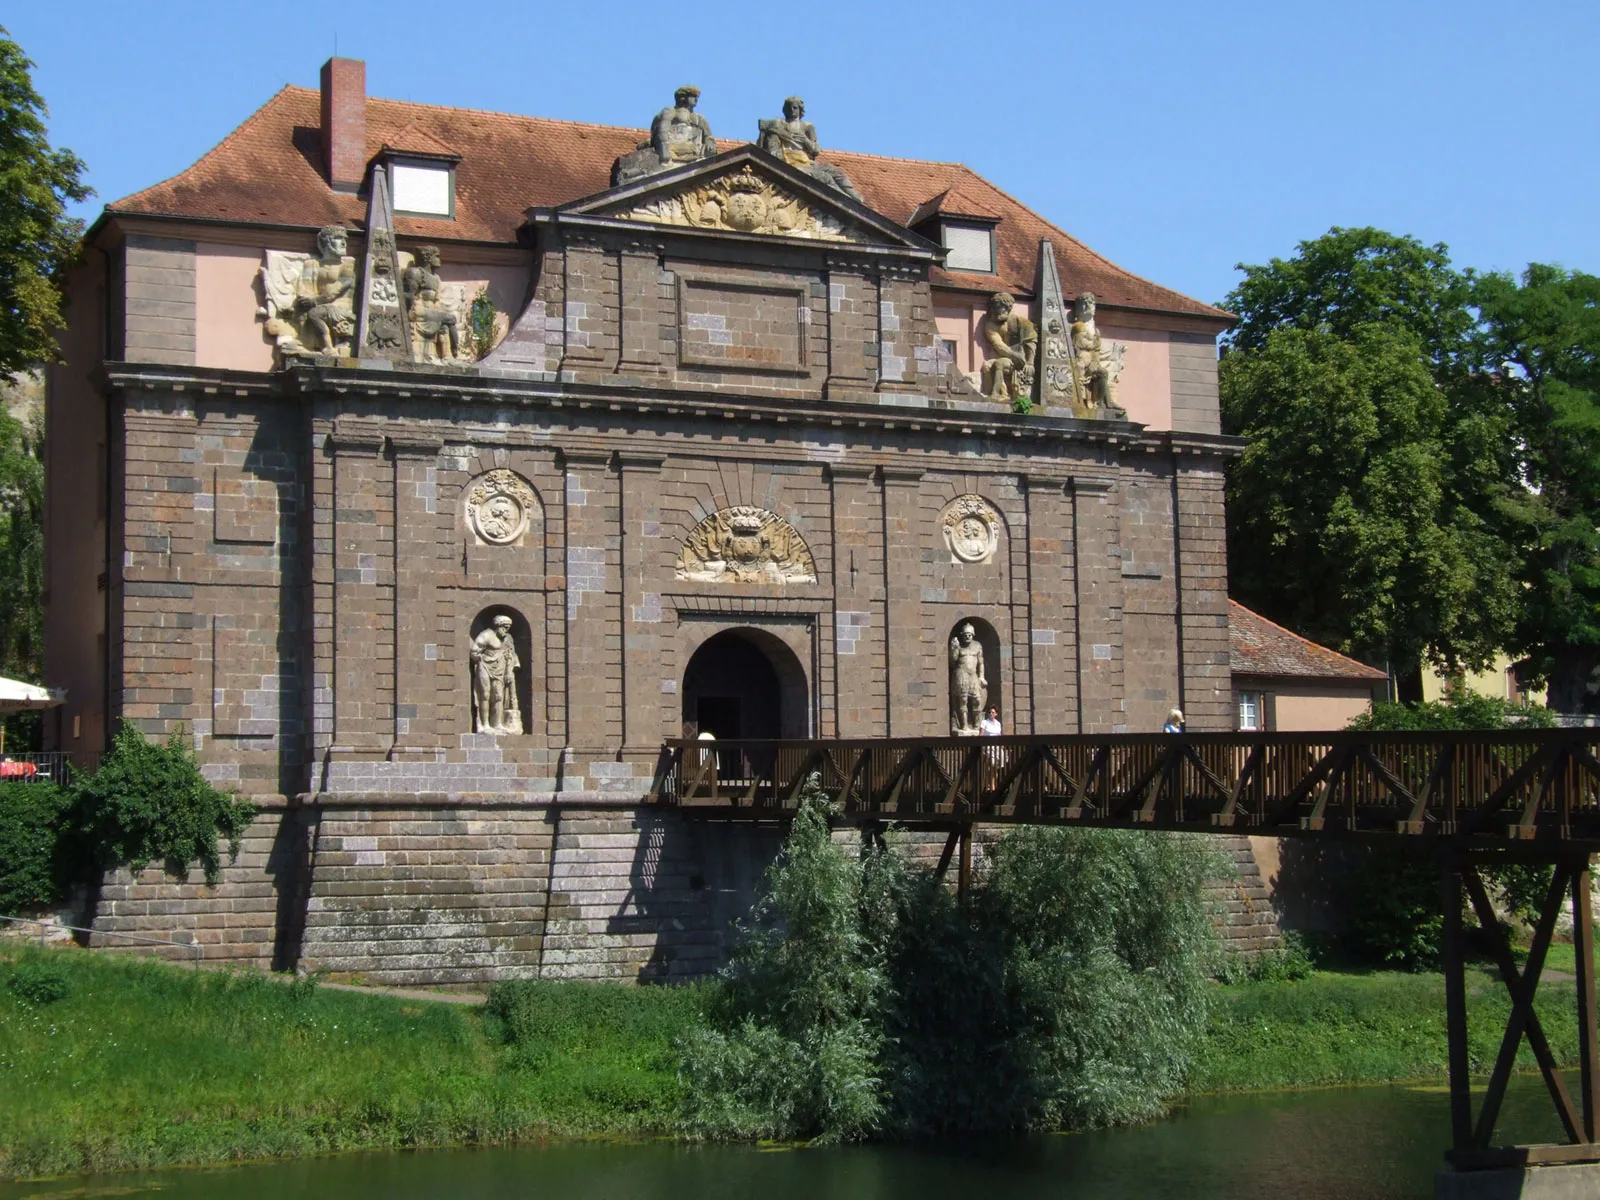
pixel 1012 342
pixel 310 302
pixel 745 544
pixel 1097 365
pixel 971 529
pixel 494 680
pixel 432 309
pixel 794 139
pixel 500 505
pixel 678 135
pixel 969 687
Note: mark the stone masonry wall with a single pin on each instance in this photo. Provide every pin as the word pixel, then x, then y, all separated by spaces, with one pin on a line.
pixel 439 893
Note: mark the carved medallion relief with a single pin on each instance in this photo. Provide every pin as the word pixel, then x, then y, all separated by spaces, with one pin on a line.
pixel 971 529
pixel 500 506
pixel 745 544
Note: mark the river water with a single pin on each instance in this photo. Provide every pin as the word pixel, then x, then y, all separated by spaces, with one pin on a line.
pixel 1348 1144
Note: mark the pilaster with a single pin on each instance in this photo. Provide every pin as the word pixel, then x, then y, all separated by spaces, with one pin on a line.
pixel 416 713
pixel 852 330
pixel 861 699
pixel 594 699
pixel 1097 557
pixel 638 275
pixel 639 484
pixel 913 708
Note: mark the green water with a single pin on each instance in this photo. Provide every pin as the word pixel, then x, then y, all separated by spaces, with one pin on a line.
pixel 1350 1144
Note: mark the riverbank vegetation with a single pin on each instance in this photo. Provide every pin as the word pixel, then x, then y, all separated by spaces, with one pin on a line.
pixel 1073 988
pixel 109 1062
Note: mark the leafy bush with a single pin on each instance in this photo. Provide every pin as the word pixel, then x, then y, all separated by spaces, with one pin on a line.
pixel 37 981
pixel 1464 710
pixel 30 821
pixel 795 1046
pixel 149 803
pixel 1293 960
pixel 864 999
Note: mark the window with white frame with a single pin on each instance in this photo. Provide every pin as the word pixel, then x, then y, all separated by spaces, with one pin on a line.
pixel 971 247
pixel 424 188
pixel 1252 711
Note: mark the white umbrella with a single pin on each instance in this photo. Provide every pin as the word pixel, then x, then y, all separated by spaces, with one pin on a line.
pixel 16 696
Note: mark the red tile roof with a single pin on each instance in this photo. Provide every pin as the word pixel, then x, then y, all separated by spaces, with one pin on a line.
pixel 269 170
pixel 1258 647
pixel 415 139
pixel 954 202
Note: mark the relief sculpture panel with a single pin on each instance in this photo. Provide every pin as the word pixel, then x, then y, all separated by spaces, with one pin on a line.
pixel 745 544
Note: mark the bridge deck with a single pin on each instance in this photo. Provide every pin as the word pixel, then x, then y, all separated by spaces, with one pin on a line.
pixel 1479 788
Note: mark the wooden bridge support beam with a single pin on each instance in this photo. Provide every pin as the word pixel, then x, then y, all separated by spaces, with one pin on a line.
pixel 1472 1141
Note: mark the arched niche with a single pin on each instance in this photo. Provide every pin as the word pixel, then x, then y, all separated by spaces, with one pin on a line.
pixel 963 666
pixel 745 683
pixel 484 664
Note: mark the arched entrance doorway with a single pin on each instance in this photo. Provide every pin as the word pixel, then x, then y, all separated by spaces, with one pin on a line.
pixel 745 683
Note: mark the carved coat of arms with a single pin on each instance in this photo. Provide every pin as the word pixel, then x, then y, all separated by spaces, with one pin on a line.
pixel 971 529
pixel 500 506
pixel 743 202
pixel 745 544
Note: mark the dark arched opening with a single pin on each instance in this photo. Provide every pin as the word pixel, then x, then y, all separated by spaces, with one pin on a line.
pixel 745 683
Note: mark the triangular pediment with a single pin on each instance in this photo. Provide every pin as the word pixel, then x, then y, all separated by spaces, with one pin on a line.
pixel 747 191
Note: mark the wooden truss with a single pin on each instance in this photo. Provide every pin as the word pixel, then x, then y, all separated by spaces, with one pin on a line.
pixel 1481 787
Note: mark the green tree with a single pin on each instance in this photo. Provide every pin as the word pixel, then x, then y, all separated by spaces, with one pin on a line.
pixel 1537 353
pixel 1373 507
pixel 1067 990
pixel 36 236
pixel 1345 514
pixel 21 544
pixel 1353 277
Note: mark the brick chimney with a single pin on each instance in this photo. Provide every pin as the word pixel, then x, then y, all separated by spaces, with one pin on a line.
pixel 344 122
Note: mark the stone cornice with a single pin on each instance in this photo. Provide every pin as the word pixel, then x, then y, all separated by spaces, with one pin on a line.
pixel 785 417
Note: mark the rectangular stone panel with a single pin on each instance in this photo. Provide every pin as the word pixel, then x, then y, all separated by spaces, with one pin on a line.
pixel 743 327
pixel 246 508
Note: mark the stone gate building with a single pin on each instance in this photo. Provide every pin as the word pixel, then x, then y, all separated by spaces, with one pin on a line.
pixel 428 467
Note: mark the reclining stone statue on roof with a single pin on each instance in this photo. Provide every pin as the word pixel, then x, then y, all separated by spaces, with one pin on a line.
pixel 678 135
pixel 794 139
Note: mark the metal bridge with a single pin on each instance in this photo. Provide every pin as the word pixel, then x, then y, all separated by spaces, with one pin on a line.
pixel 1467 799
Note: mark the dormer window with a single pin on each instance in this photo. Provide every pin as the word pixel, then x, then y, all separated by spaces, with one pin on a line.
pixel 423 188
pixel 422 173
pixel 964 225
pixel 970 246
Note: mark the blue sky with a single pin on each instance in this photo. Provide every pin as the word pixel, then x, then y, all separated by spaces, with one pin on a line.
pixel 1177 139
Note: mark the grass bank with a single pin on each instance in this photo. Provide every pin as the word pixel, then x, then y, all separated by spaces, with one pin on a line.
pixel 1374 1027
pixel 110 1063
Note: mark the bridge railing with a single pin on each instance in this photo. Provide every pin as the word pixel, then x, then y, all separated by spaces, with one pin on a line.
pixel 1517 784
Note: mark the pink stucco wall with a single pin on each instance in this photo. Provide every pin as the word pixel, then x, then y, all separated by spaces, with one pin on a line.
pixel 1145 389
pixel 1307 707
pixel 227 295
pixel 508 287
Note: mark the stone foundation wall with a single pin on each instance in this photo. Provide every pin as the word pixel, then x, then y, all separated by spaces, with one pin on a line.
pixel 415 890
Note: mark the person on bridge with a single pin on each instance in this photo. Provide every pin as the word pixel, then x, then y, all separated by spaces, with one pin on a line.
pixel 1174 722
pixel 990 727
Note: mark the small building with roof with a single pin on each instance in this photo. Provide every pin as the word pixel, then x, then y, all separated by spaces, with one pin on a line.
pixel 1282 681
